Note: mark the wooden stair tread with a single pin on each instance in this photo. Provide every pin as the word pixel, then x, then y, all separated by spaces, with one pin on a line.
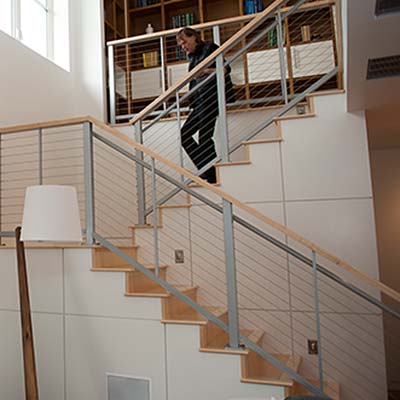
pixel 258 141
pixel 127 268
pixel 112 269
pixel 255 335
pixel 193 317
pixel 219 343
pixel 267 381
pixel 102 248
pixel 159 291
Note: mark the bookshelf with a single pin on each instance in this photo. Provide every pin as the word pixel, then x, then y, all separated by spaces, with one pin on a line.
pixel 125 18
pixel 141 68
pixel 114 19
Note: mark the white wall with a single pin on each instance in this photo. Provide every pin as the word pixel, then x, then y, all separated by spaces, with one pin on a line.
pixel 34 89
pixel 84 327
pixel 385 167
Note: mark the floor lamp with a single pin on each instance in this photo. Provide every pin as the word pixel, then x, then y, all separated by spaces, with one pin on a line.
pixel 51 214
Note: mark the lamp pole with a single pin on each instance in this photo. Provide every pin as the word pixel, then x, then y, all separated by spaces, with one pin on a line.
pixel 31 387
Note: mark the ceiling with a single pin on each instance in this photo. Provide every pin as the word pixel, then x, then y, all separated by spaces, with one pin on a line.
pixel 372 37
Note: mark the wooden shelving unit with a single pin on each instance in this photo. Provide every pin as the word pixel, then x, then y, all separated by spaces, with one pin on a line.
pixel 114 19
pixel 144 80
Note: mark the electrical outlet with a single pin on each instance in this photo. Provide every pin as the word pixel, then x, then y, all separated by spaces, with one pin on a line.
pixel 312 346
pixel 301 109
pixel 179 257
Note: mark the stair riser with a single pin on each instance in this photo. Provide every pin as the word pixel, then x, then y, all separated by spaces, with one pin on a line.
pixel 210 332
pixel 172 306
pixel 136 282
pixel 103 258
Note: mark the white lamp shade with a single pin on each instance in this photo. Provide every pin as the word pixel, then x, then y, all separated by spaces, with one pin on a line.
pixel 51 213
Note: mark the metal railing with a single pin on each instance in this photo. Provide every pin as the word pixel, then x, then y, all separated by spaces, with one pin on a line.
pixel 239 259
pixel 143 67
pixel 275 60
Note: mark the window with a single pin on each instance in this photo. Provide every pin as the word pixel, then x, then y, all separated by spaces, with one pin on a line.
pixel 39 24
pixel 34 25
pixel 5 16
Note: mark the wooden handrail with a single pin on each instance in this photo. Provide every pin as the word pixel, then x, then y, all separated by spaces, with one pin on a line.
pixel 182 171
pixel 47 124
pixel 293 235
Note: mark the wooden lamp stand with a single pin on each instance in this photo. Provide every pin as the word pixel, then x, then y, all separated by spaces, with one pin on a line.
pixel 31 387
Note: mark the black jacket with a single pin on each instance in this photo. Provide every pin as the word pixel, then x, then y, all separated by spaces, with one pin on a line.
pixel 207 95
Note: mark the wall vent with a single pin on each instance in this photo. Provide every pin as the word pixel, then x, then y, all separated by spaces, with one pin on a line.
pixel 387 7
pixel 120 387
pixel 383 67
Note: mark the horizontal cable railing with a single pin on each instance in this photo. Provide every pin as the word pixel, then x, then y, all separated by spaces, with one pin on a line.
pixel 274 61
pixel 288 289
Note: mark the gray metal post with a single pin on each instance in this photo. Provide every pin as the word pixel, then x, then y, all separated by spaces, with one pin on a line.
pixel 179 122
pixel 140 186
pixel 222 123
pixel 1 188
pixel 111 83
pixel 282 61
pixel 317 319
pixel 89 181
pixel 163 68
pixel 40 145
pixel 155 215
pixel 230 265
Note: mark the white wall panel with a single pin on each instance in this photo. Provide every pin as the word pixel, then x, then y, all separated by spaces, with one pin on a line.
pixel 45 274
pixel 96 346
pixel 326 156
pixel 100 293
pixel 258 181
pixel 11 373
pixel 48 339
pixel 191 377
pixel 346 228
pixel 9 298
pixel 49 348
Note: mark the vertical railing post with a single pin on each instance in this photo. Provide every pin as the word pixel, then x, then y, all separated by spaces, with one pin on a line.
pixel 155 215
pixel 230 266
pixel 179 141
pixel 111 83
pixel 40 161
pixel 1 189
pixel 317 319
pixel 163 67
pixel 282 62
pixel 222 123
pixel 89 181
pixel 140 186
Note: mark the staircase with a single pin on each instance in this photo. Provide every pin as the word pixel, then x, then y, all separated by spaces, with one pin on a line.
pixel 98 315
pixel 241 179
pixel 254 369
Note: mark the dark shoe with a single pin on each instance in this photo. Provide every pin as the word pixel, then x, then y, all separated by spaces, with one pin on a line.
pixel 210 175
